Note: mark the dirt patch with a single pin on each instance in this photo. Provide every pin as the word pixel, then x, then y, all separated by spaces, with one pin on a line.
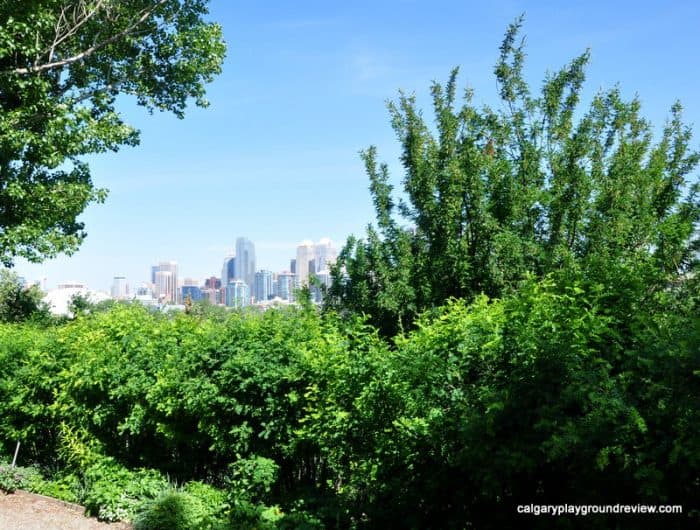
pixel 27 511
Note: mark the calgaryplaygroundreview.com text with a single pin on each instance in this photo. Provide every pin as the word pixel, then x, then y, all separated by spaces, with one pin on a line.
pixel 598 509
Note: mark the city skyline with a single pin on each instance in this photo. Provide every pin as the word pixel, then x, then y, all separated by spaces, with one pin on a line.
pixel 166 276
pixel 304 89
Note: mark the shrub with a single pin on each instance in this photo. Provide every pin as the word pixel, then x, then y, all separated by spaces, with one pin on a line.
pixel 14 478
pixel 114 492
pixel 67 488
pixel 174 510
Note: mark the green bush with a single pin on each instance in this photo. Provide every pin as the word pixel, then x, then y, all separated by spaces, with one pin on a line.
pixel 174 510
pixel 67 488
pixel 114 492
pixel 213 500
pixel 14 478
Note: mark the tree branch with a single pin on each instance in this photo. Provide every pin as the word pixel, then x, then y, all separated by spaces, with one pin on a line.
pixel 78 20
pixel 69 60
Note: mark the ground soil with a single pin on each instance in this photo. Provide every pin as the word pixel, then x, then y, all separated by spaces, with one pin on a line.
pixel 27 511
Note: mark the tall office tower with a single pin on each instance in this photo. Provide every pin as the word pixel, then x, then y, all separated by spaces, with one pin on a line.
pixel 245 261
pixel 305 254
pixel 120 289
pixel 286 285
pixel 262 290
pixel 166 288
pixel 325 255
pixel 154 269
pixel 237 294
pixel 293 266
pixel 228 271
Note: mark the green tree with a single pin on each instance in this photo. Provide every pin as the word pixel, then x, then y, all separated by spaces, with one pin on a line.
pixel 537 186
pixel 18 303
pixel 63 64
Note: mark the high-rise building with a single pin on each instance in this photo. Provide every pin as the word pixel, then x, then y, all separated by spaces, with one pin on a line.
pixel 166 288
pixel 325 255
pixel 120 289
pixel 166 285
pixel 228 271
pixel 293 266
pixel 285 285
pixel 262 289
pixel 245 260
pixel 237 294
pixel 305 254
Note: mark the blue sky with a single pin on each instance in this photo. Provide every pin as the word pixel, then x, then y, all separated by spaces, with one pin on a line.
pixel 304 89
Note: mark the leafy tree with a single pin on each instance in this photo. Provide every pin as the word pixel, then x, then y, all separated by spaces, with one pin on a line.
pixel 18 303
pixel 539 185
pixel 63 63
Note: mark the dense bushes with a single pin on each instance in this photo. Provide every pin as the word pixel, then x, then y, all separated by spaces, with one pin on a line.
pixel 297 420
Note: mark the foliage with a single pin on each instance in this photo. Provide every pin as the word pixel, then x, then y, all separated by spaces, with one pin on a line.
pixel 66 488
pixel 63 64
pixel 14 478
pixel 539 186
pixel 173 510
pixel 113 492
pixel 548 395
pixel 19 303
pixel 252 478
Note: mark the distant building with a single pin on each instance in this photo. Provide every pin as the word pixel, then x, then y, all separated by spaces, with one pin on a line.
pixel 213 283
pixel 165 281
pixel 285 286
pixel 237 294
pixel 262 288
pixel 165 287
pixel 305 254
pixel 245 261
pixel 228 271
pixel 193 291
pixel 59 300
pixel 145 295
pixel 325 255
pixel 323 281
pixel 120 289
pixel 293 266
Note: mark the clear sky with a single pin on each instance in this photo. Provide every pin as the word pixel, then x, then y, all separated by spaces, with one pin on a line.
pixel 304 89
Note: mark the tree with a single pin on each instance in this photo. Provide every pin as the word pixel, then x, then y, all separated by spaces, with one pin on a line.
pixel 19 303
pixel 62 66
pixel 541 185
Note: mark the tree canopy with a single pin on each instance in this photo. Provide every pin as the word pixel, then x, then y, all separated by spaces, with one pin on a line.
pixel 63 65
pixel 540 185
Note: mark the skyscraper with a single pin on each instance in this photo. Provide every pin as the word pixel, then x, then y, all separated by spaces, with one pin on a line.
pixel 325 255
pixel 285 285
pixel 305 254
pixel 120 289
pixel 262 290
pixel 245 261
pixel 166 285
pixel 166 288
pixel 237 294
pixel 228 271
